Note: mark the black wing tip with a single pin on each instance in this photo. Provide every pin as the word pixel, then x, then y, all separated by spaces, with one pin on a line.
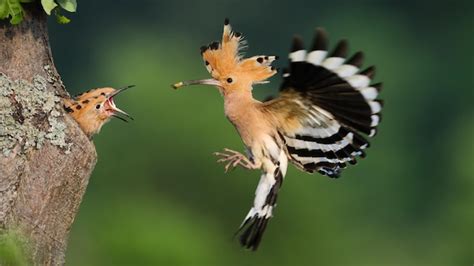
pixel 341 49
pixel 356 60
pixel 226 21
pixel 369 72
pixel 381 102
pixel 321 32
pixel 320 41
pixel 378 86
pixel 297 43
pixel 380 117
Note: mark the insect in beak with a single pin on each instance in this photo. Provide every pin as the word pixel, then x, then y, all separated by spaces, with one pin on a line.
pixel 113 108
pixel 211 82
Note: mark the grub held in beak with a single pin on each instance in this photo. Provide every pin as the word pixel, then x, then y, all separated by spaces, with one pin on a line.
pixel 211 82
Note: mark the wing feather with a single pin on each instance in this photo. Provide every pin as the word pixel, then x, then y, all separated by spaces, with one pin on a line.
pixel 326 106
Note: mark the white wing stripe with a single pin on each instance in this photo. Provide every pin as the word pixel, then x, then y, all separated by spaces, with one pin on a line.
pixel 369 93
pixel 375 107
pixel 310 145
pixel 375 120
pixel 358 81
pixel 345 71
pixel 298 56
pixel 316 57
pixel 333 62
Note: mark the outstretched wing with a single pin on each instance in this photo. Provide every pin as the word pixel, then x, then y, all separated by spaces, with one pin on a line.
pixel 328 105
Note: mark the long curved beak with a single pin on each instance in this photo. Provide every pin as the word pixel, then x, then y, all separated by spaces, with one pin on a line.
pixel 211 82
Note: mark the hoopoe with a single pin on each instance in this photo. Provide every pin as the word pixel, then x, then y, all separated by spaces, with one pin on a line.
pixel 317 123
pixel 94 108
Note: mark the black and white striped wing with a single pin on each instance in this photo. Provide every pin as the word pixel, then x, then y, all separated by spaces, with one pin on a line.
pixel 339 103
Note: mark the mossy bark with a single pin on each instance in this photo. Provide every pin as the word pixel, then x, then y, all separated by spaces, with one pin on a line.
pixel 45 158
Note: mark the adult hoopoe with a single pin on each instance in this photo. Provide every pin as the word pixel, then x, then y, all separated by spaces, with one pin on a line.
pixel 94 108
pixel 316 123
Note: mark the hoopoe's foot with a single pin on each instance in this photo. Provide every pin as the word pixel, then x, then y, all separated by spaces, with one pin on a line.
pixel 232 159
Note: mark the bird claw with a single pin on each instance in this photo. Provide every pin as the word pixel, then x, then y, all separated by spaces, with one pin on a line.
pixel 233 159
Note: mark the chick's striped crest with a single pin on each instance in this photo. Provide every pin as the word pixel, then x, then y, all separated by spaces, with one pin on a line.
pixel 92 109
pixel 224 61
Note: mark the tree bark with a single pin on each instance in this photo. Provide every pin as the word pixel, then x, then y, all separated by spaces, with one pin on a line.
pixel 43 176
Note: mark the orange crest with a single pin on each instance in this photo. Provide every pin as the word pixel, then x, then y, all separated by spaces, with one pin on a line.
pixel 225 63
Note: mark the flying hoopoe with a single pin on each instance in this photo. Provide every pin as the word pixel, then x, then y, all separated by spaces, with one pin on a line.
pixel 94 108
pixel 317 123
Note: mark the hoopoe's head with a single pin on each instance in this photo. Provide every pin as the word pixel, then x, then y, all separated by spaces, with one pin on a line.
pixel 230 72
pixel 94 108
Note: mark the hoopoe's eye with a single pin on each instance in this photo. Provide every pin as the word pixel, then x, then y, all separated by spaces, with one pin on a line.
pixel 229 80
pixel 97 106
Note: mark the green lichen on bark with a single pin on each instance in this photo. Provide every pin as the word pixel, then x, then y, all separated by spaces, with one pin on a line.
pixel 29 116
pixel 14 248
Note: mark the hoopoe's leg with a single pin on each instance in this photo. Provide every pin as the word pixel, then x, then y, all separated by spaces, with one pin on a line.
pixel 233 159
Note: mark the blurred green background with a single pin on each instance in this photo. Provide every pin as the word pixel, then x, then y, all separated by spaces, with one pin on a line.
pixel 157 196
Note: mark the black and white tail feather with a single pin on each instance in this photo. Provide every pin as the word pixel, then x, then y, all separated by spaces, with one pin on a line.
pixel 341 105
pixel 266 195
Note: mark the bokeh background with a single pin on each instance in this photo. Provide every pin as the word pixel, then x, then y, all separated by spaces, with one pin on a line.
pixel 157 196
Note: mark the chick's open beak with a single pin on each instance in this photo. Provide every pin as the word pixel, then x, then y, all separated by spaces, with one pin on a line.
pixel 111 104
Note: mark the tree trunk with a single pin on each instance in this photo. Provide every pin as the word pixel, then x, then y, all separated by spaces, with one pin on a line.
pixel 45 158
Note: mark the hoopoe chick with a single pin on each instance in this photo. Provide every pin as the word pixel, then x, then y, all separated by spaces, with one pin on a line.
pixel 94 108
pixel 325 107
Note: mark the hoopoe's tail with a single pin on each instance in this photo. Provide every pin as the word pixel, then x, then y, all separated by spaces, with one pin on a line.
pixel 252 228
